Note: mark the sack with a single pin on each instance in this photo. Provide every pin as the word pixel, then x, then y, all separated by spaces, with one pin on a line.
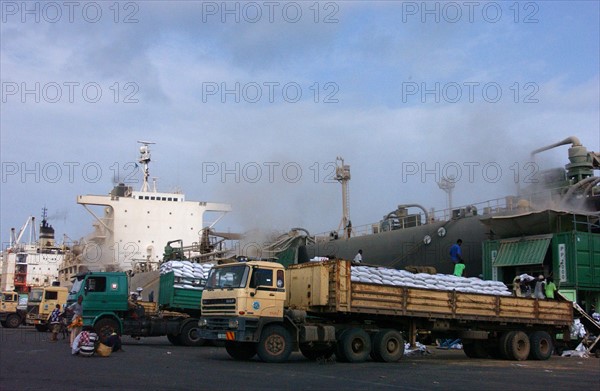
pixel 103 351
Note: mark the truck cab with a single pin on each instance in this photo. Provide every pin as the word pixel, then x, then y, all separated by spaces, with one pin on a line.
pixel 12 309
pixel 104 294
pixel 243 305
pixel 41 302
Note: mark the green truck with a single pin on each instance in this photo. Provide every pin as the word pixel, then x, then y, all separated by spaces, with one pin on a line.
pixel 107 308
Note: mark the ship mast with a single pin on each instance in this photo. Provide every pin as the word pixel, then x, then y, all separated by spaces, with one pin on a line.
pixel 342 175
pixel 145 159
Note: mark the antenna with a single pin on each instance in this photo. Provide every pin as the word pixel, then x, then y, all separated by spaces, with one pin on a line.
pixel 145 159
pixel 447 184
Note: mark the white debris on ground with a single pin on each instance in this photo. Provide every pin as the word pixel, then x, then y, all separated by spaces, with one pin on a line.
pixel 385 276
pixel 580 351
pixel 419 349
pixel 188 275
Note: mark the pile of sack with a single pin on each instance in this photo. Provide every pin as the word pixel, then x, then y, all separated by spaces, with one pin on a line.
pixel 188 275
pixel 385 276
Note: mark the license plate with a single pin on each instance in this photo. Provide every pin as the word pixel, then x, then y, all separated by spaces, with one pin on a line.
pixel 221 336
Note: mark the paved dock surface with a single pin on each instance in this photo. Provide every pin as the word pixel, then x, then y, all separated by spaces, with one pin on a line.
pixel 28 361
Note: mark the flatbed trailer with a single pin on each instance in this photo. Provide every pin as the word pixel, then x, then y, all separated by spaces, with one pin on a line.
pixel 324 311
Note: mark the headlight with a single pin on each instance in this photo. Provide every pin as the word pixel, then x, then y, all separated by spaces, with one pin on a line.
pixel 233 323
pixel 202 322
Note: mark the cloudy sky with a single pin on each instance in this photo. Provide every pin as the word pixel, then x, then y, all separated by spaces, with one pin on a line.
pixel 251 102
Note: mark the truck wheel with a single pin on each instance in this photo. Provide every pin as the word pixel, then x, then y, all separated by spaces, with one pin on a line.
pixel 190 335
pixel 105 327
pixel 275 344
pixel 42 328
pixel 474 348
pixel 503 345
pixel 518 346
pixel 541 345
pixel 355 345
pixel 317 352
pixel 13 321
pixel 388 346
pixel 174 339
pixel 241 351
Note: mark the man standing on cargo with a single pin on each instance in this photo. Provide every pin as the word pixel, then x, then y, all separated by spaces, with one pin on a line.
pixel 358 257
pixel 550 288
pixel 540 288
pixel 456 252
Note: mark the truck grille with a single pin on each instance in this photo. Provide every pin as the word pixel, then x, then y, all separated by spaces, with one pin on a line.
pixel 218 306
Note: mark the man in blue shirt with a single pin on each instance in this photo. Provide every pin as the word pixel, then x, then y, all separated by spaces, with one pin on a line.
pixel 456 252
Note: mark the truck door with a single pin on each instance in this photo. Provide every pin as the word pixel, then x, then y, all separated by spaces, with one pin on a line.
pixel 269 292
pixel 105 293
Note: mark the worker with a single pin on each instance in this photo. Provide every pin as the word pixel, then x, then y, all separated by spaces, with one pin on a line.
pixel 540 287
pixel 517 286
pixel 55 320
pixel 456 252
pixel 526 280
pixel 358 257
pixel 85 342
pixel 550 288
pixel 459 268
pixel 77 310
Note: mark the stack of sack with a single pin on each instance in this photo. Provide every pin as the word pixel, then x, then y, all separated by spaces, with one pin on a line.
pixel 188 275
pixel 385 276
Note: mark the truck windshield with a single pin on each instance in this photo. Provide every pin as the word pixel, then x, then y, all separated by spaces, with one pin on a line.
pixel 76 286
pixel 36 295
pixel 227 277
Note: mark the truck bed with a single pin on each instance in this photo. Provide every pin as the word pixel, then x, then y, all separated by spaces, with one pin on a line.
pixel 178 299
pixel 325 288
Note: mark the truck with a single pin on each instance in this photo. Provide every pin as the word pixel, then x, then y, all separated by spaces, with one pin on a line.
pixel 107 308
pixel 262 308
pixel 13 308
pixel 40 304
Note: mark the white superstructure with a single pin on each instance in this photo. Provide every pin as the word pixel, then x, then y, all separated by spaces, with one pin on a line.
pixel 133 228
pixel 34 263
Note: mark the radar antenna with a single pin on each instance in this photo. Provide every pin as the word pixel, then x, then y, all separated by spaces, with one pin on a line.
pixel 145 159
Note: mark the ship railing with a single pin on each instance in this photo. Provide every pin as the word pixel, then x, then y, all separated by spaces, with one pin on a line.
pixel 489 207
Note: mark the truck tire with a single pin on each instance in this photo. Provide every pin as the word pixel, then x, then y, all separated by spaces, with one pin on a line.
pixel 190 335
pixel 354 345
pixel 13 321
pixel 317 352
pixel 241 351
pixel 541 345
pixel 388 346
pixel 518 346
pixel 42 328
pixel 174 339
pixel 275 345
pixel 474 348
pixel 105 327
pixel 503 345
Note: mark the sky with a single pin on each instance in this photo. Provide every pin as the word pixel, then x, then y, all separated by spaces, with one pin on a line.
pixel 250 103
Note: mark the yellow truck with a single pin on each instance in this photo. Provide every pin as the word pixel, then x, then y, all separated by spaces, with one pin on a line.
pixel 12 309
pixel 41 302
pixel 318 308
